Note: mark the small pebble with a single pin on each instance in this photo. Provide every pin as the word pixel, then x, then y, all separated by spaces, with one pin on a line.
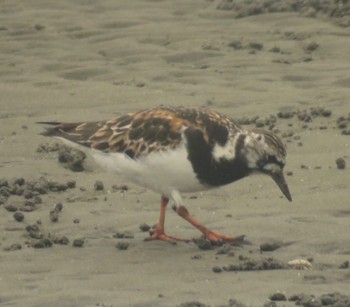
pixel 342 124
pixel 269 247
pixel 122 245
pixel 275 49
pixel 312 46
pixel 34 231
pixel 196 257
pixel 78 243
pixel 53 216
pixel 76 221
pixel 123 235
pixel 61 240
pixel 121 188
pixel 11 208
pixel 243 258
pixel 235 45
pixel 326 113
pixel 42 243
pixel 37 200
pixel 58 207
pixel 144 227
pixel 3 182
pixel 217 269
pixel 5 191
pixel 344 265
pixel 13 247
pixel 203 244
pixel 256 46
pixel 19 181
pixel 278 297
pixel 224 250
pixel 234 303
pixel 340 163
pixel 29 203
pixel 58 187
pixel 27 209
pixel 55 212
pixel 71 184
pixel 18 216
pixel 39 27
pixel 2 200
pixel 98 186
pixel 285 114
pixel 32 228
pixel 28 194
pixel 72 159
pixel 193 304
pixel 270 304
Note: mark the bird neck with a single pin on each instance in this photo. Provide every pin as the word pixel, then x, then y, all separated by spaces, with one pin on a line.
pixel 210 170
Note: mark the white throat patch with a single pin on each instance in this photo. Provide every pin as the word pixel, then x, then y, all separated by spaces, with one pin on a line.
pixel 253 149
pixel 226 152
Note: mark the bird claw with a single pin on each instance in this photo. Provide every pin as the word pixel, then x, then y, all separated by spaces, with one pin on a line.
pixel 219 239
pixel 159 234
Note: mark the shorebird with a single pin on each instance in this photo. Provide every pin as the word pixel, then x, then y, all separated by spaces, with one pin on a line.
pixel 174 150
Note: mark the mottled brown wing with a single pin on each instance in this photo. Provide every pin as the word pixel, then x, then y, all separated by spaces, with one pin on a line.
pixel 216 128
pixel 146 131
pixel 160 129
pixel 79 133
pixel 140 133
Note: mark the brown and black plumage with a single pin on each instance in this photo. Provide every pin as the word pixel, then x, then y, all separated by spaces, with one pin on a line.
pixel 173 150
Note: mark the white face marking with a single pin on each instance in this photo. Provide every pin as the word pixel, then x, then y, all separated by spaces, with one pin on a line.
pixel 272 168
pixel 253 148
pixel 248 152
pixel 226 152
pixel 256 138
pixel 257 148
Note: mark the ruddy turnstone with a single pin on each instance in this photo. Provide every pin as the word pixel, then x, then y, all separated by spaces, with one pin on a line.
pixel 173 150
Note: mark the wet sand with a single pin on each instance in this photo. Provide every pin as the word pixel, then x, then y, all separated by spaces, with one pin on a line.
pixel 86 60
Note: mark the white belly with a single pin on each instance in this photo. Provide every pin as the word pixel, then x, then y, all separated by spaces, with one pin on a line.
pixel 163 172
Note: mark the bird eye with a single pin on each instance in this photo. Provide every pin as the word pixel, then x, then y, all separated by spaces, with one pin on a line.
pixel 273 159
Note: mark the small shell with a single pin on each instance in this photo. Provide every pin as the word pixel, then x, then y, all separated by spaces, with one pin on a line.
pixel 300 264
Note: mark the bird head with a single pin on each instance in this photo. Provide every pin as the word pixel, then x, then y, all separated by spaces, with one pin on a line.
pixel 265 153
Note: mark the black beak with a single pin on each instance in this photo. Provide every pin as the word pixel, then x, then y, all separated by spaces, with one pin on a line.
pixel 278 177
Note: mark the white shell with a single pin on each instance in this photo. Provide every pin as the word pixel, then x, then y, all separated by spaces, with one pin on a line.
pixel 300 264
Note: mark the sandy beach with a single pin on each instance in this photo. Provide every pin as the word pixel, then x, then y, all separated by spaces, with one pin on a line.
pixel 73 238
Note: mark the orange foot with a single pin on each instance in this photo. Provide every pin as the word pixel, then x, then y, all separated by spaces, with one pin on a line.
pixel 210 235
pixel 159 234
pixel 220 238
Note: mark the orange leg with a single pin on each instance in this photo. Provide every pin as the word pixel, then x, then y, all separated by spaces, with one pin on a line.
pixel 158 233
pixel 210 235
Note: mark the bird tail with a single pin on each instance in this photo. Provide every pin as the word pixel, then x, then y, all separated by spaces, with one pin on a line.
pixel 78 133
